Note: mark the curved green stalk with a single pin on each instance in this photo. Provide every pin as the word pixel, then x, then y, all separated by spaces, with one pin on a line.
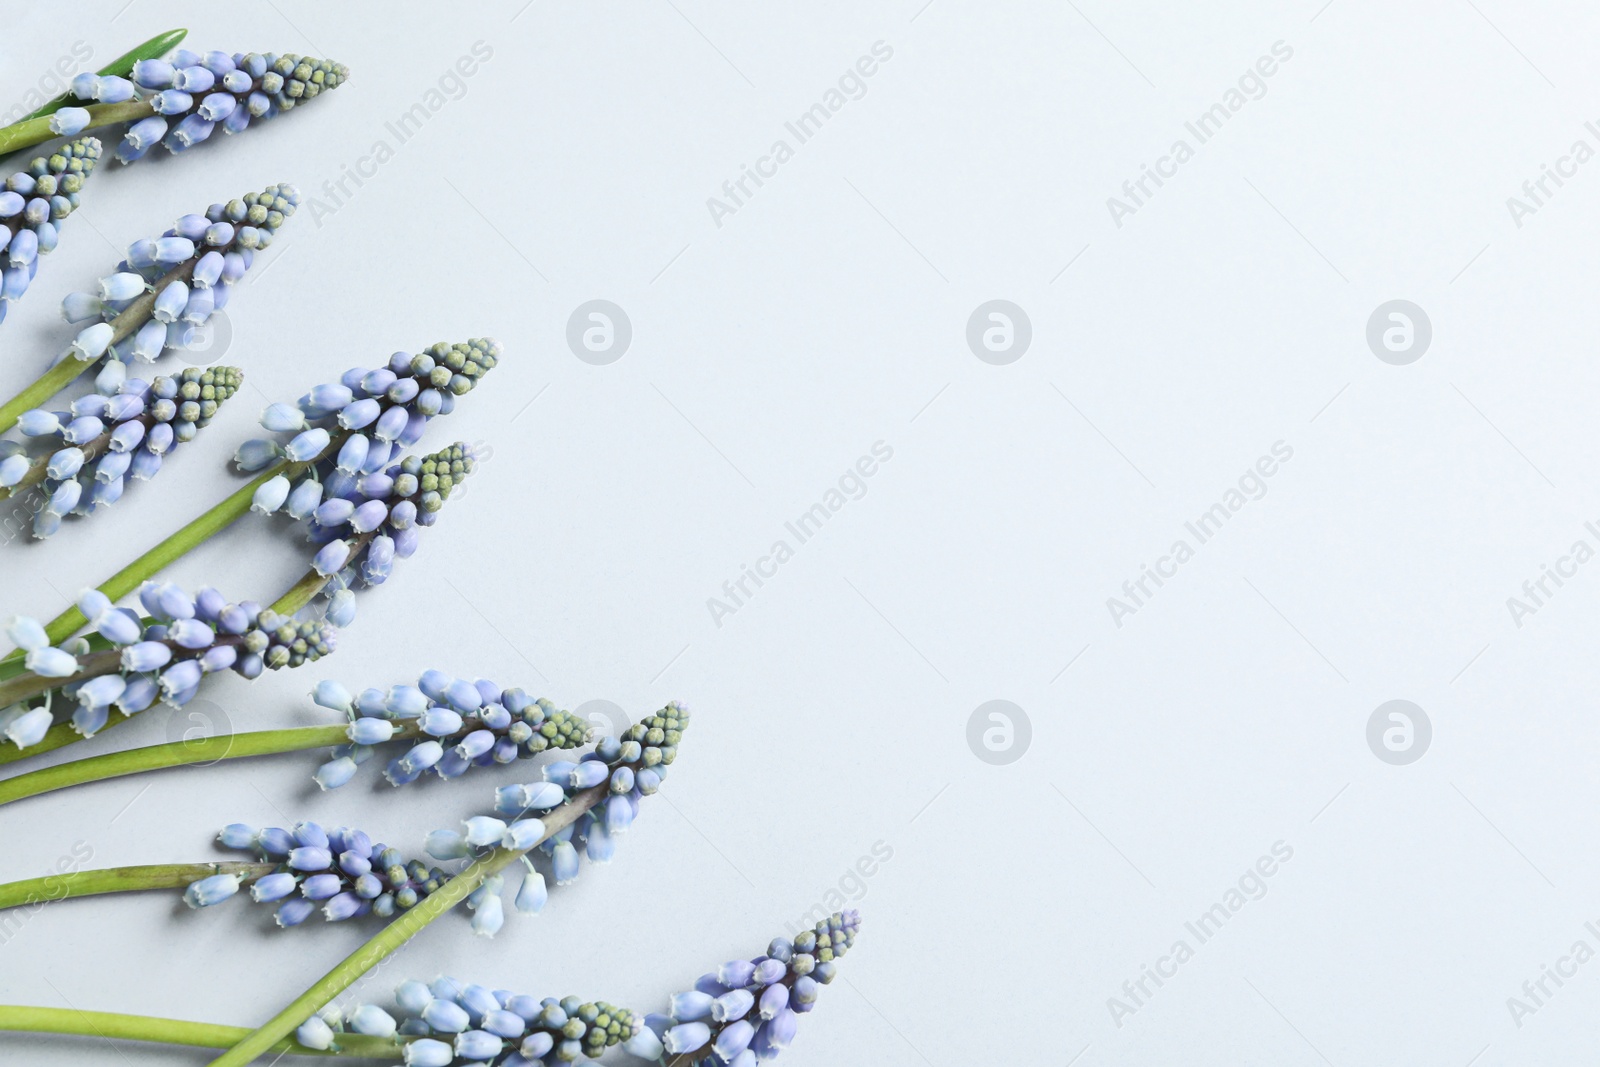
pixel 53 887
pixel 122 67
pixel 174 754
pixel 396 934
pixel 175 1032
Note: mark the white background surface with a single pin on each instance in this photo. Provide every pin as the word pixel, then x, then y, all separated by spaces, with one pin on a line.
pixel 829 313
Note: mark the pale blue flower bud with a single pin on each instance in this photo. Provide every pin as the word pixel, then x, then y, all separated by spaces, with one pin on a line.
pixel 153 73
pixel 440 722
pixel 589 773
pixel 691 1005
pixel 70 121
pixel 51 663
pixel 283 418
pixel 478 1045
pixel 335 773
pixel 488 919
pixel 413 996
pixel 370 731
pixel 446 1016
pixel 170 302
pixel 774 999
pixel 427 1053
pixel 646 1045
pixel 331 695
pixel 445 845
pixel 484 830
pixel 91 343
pixel 331 558
pixel 308 858
pixel 271 888
pixel 734 1004
pixel 212 890
pixel 30 727
pixel 124 286
pixel 307 445
pixel 736 974
pixel 270 495
pixel 342 907
pixel 315 1033
pixel 522 834
pixel 686 1037
pixel 564 861
pixel 373 1021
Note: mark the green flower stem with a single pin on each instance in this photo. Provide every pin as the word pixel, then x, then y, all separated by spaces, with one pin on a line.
pixel 122 66
pixel 175 1032
pixel 125 325
pixel 29 132
pixel 396 934
pixel 177 754
pixel 54 887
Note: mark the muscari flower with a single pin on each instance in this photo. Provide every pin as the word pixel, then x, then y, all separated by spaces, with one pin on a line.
pixel 355 877
pixel 447 1022
pixel 341 871
pixel 33 204
pixel 189 96
pixel 101 442
pixel 161 655
pixel 365 522
pixel 189 271
pixel 748 1010
pixel 454 724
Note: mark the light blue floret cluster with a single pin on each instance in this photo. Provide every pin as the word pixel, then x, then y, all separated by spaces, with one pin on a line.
pixel 445 1022
pixel 33 204
pixel 364 522
pixel 161 655
pixel 363 500
pixel 748 1010
pixel 190 95
pixel 455 724
pixel 341 869
pixel 100 443
pixel 190 270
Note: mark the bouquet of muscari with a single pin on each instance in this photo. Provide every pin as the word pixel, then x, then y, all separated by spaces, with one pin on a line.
pixel 340 464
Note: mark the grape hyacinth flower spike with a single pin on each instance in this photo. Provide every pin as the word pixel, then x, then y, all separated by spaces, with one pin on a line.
pixel 748 1010
pixel 163 655
pixel 100 442
pixel 365 522
pixel 157 297
pixel 607 783
pixel 341 869
pixel 33 204
pixel 447 1022
pixel 587 803
pixel 182 100
pixel 454 725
